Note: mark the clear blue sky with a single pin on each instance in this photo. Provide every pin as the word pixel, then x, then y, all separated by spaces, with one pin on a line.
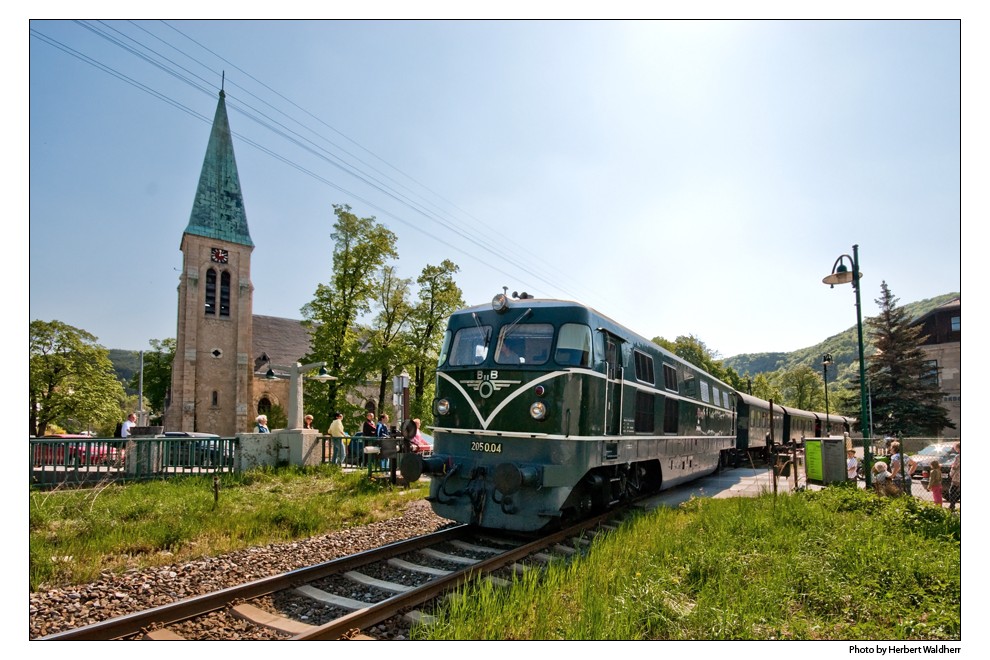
pixel 681 177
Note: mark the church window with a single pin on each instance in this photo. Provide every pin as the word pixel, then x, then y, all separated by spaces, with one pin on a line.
pixel 264 406
pixel 215 401
pixel 225 294
pixel 211 292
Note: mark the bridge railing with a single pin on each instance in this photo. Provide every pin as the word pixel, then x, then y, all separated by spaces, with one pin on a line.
pixel 87 461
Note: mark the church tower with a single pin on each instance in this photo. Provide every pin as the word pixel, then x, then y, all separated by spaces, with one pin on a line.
pixel 212 370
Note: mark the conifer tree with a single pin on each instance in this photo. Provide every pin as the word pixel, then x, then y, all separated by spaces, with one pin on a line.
pixel 905 396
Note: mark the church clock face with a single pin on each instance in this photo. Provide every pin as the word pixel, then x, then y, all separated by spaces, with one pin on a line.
pixel 219 256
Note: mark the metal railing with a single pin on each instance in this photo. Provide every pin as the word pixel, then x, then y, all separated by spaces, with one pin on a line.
pixel 82 461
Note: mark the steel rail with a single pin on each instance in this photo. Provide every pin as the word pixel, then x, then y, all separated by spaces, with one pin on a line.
pixel 369 616
pixel 130 624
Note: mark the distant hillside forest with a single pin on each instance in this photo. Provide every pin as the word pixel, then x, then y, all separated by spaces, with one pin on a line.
pixel 844 348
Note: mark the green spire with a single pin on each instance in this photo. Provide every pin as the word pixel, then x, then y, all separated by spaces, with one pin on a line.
pixel 218 210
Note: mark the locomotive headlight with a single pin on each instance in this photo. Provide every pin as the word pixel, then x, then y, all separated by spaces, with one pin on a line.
pixel 443 407
pixel 538 410
pixel 500 303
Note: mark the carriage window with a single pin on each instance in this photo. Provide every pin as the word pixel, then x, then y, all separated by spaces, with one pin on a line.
pixel 524 343
pixel 670 378
pixel 716 396
pixel 470 346
pixel 573 345
pixel 644 368
pixel 704 391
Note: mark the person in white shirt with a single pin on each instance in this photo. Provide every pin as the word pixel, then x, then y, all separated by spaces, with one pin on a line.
pixel 852 465
pixel 125 429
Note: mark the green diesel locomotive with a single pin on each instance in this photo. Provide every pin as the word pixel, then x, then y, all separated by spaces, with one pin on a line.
pixel 546 411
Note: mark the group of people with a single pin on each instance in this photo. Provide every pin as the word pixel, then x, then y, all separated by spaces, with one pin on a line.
pixel 340 439
pixel 899 477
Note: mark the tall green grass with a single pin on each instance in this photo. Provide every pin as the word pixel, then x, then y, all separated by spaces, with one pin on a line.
pixel 836 564
pixel 77 534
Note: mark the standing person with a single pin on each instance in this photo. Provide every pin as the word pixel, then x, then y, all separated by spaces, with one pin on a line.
pixel 262 421
pixel 382 432
pixel 955 480
pixel 338 434
pixel 852 464
pixel 369 429
pixel 308 422
pixel 935 482
pixel 125 428
pixel 901 468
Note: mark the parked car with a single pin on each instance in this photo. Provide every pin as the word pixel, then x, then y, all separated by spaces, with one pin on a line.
pixel 421 443
pixel 85 452
pixel 944 453
pixel 203 449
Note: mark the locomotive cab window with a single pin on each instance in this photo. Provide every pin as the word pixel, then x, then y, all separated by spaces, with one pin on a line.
pixel 573 345
pixel 470 346
pixel 524 343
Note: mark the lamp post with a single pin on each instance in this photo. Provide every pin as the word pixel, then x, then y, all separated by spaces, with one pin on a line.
pixel 826 360
pixel 296 377
pixel 841 275
pixel 400 389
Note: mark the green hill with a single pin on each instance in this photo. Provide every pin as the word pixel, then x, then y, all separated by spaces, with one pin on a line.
pixel 844 348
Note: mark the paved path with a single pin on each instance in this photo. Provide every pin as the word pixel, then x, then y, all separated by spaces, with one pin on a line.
pixel 735 482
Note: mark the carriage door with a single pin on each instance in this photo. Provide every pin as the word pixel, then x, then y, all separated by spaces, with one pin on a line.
pixel 613 388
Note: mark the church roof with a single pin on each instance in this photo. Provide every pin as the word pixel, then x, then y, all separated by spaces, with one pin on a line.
pixel 218 210
pixel 282 341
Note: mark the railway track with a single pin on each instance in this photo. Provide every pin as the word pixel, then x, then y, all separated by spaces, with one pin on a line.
pixel 317 602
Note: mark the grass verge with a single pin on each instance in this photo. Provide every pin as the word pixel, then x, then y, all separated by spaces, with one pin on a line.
pixel 77 534
pixel 836 564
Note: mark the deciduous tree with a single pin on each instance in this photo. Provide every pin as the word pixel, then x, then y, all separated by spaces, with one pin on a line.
pixel 71 377
pixel 361 247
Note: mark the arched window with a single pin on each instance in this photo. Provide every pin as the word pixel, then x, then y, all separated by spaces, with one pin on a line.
pixel 264 406
pixel 225 294
pixel 211 292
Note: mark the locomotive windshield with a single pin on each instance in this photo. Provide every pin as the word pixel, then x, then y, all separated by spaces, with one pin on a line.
pixel 469 346
pixel 519 343
pixel 574 345
pixel 524 343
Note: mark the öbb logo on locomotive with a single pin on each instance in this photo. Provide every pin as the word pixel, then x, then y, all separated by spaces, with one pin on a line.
pixel 547 411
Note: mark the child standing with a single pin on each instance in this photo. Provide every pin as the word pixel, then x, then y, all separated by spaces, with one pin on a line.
pixel 935 482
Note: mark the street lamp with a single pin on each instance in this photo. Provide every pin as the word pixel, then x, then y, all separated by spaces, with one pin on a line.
pixel 296 377
pixel 841 275
pixel 826 360
pixel 400 390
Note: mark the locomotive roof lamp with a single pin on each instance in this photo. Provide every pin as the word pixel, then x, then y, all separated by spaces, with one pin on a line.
pixel 296 376
pixel 826 360
pixel 841 275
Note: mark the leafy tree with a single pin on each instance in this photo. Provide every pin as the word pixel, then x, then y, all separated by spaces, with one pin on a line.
pixel 695 351
pixel 906 400
pixel 157 375
pixel 803 388
pixel 764 387
pixel 439 297
pixel 361 248
pixel 386 351
pixel 71 378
